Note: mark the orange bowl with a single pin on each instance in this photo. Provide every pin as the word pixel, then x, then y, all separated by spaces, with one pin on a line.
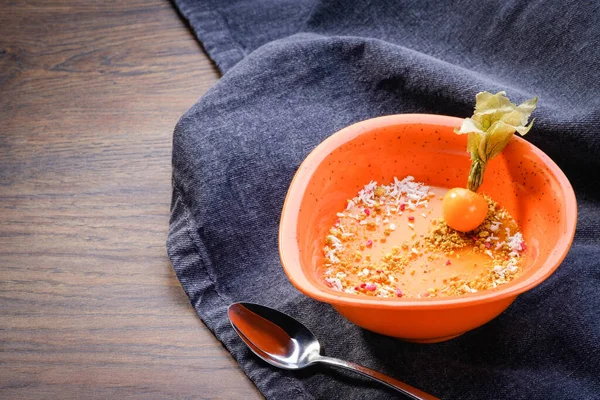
pixel 522 179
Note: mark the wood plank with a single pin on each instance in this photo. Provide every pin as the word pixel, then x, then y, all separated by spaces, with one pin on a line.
pixel 89 305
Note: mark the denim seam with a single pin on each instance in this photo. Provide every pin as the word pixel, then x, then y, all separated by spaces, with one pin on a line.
pixel 219 52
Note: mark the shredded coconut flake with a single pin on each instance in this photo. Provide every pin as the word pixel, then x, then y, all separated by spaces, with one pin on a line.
pixel 331 256
pixel 515 242
pixel 494 226
pixel 350 205
pixel 335 283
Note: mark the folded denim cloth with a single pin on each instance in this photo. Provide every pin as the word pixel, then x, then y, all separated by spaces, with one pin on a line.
pixel 295 71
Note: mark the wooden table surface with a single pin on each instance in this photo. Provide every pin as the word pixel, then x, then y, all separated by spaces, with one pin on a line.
pixel 90 307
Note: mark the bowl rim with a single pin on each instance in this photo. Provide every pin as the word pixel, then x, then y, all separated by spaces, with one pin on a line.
pixel 291 207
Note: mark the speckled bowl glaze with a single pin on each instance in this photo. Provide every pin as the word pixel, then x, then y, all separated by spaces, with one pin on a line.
pixel 522 179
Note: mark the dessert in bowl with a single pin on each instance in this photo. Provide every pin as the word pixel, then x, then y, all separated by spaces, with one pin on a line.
pixel 522 180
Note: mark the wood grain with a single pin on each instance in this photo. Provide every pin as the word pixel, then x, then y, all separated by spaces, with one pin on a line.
pixel 89 304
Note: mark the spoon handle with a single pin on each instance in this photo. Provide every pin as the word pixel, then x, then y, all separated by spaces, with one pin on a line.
pixel 402 387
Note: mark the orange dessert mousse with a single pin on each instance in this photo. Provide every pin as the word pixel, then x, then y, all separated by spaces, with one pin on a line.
pixel 391 242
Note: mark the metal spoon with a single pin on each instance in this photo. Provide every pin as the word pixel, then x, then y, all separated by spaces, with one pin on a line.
pixel 284 342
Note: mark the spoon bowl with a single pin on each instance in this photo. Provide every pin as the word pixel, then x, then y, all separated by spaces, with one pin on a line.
pixel 281 340
pixel 286 343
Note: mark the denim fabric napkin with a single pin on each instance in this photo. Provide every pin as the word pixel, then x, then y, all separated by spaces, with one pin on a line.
pixel 294 72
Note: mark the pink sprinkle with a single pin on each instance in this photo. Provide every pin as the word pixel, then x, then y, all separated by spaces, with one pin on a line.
pixel 329 284
pixel 367 211
pixel 337 221
pixel 399 292
pixel 356 287
pixel 523 246
pixel 426 294
pixel 362 285
pixel 370 287
pixel 474 238
pixel 402 206
pixel 369 243
pixel 448 262
pixel 488 245
pixel 379 271
pixel 411 218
